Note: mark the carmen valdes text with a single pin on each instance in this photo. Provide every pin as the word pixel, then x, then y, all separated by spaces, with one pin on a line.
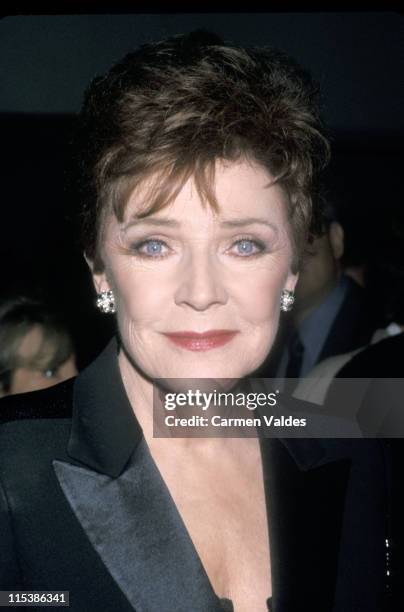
pixel 219 421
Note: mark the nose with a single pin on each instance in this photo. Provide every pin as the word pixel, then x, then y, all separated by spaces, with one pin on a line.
pixel 201 284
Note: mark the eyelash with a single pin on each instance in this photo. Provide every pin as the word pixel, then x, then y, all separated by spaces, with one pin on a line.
pixel 136 247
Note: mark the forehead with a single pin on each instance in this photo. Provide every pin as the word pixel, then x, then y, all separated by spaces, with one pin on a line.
pixel 31 343
pixel 242 189
pixel 35 349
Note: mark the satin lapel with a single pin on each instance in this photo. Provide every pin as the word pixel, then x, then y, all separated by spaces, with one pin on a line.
pixel 305 510
pixel 134 526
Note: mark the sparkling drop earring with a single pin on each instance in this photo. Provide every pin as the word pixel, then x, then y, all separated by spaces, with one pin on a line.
pixel 106 302
pixel 287 300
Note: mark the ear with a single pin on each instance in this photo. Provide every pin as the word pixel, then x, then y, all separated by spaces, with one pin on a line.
pixel 291 281
pixel 99 277
pixel 336 237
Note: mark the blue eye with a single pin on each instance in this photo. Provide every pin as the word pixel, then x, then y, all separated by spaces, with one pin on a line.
pixel 150 248
pixel 153 247
pixel 246 246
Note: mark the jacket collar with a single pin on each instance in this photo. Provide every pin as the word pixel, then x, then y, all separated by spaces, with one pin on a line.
pixel 105 431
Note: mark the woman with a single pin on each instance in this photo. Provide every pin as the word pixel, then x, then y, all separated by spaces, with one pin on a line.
pixel 198 162
pixel 36 350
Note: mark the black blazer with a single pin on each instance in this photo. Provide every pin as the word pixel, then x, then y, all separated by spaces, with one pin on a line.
pixel 381 411
pixel 83 508
pixel 354 324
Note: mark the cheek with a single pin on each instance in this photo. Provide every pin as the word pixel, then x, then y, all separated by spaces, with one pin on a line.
pixel 20 381
pixel 25 380
pixel 67 369
pixel 259 297
pixel 141 299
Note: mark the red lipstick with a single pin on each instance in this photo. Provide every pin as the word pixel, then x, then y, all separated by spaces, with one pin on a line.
pixel 194 341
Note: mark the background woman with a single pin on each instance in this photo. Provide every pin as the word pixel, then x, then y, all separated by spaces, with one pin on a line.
pixel 36 350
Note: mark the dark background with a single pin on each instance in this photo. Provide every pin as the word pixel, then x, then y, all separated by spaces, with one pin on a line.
pixel 47 61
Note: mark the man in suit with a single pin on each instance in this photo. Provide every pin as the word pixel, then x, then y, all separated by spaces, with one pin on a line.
pixel 332 313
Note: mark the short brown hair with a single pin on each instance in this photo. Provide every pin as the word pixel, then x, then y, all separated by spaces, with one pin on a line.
pixel 171 109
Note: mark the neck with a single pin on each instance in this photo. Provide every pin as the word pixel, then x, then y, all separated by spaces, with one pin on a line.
pixel 145 405
pixel 140 394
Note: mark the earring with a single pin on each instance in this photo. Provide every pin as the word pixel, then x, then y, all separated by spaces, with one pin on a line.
pixel 106 302
pixel 287 300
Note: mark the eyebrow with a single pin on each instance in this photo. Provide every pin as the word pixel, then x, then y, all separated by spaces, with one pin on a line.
pixel 151 221
pixel 226 223
pixel 248 221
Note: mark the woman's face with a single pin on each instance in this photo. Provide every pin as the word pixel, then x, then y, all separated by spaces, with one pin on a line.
pixel 188 269
pixel 35 371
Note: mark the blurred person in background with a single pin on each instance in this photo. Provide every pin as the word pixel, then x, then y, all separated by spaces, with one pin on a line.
pixel 380 369
pixel 332 313
pixel 378 392
pixel 382 355
pixel 36 350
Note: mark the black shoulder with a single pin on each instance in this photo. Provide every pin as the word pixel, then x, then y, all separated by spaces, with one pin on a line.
pixel 382 359
pixel 52 403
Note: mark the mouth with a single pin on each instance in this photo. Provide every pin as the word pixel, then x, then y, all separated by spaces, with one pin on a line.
pixel 194 341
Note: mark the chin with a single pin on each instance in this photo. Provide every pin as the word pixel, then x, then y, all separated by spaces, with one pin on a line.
pixel 209 372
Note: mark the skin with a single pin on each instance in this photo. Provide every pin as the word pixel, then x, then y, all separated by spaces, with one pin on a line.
pixel 201 277
pixel 205 271
pixel 37 376
pixel 320 272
